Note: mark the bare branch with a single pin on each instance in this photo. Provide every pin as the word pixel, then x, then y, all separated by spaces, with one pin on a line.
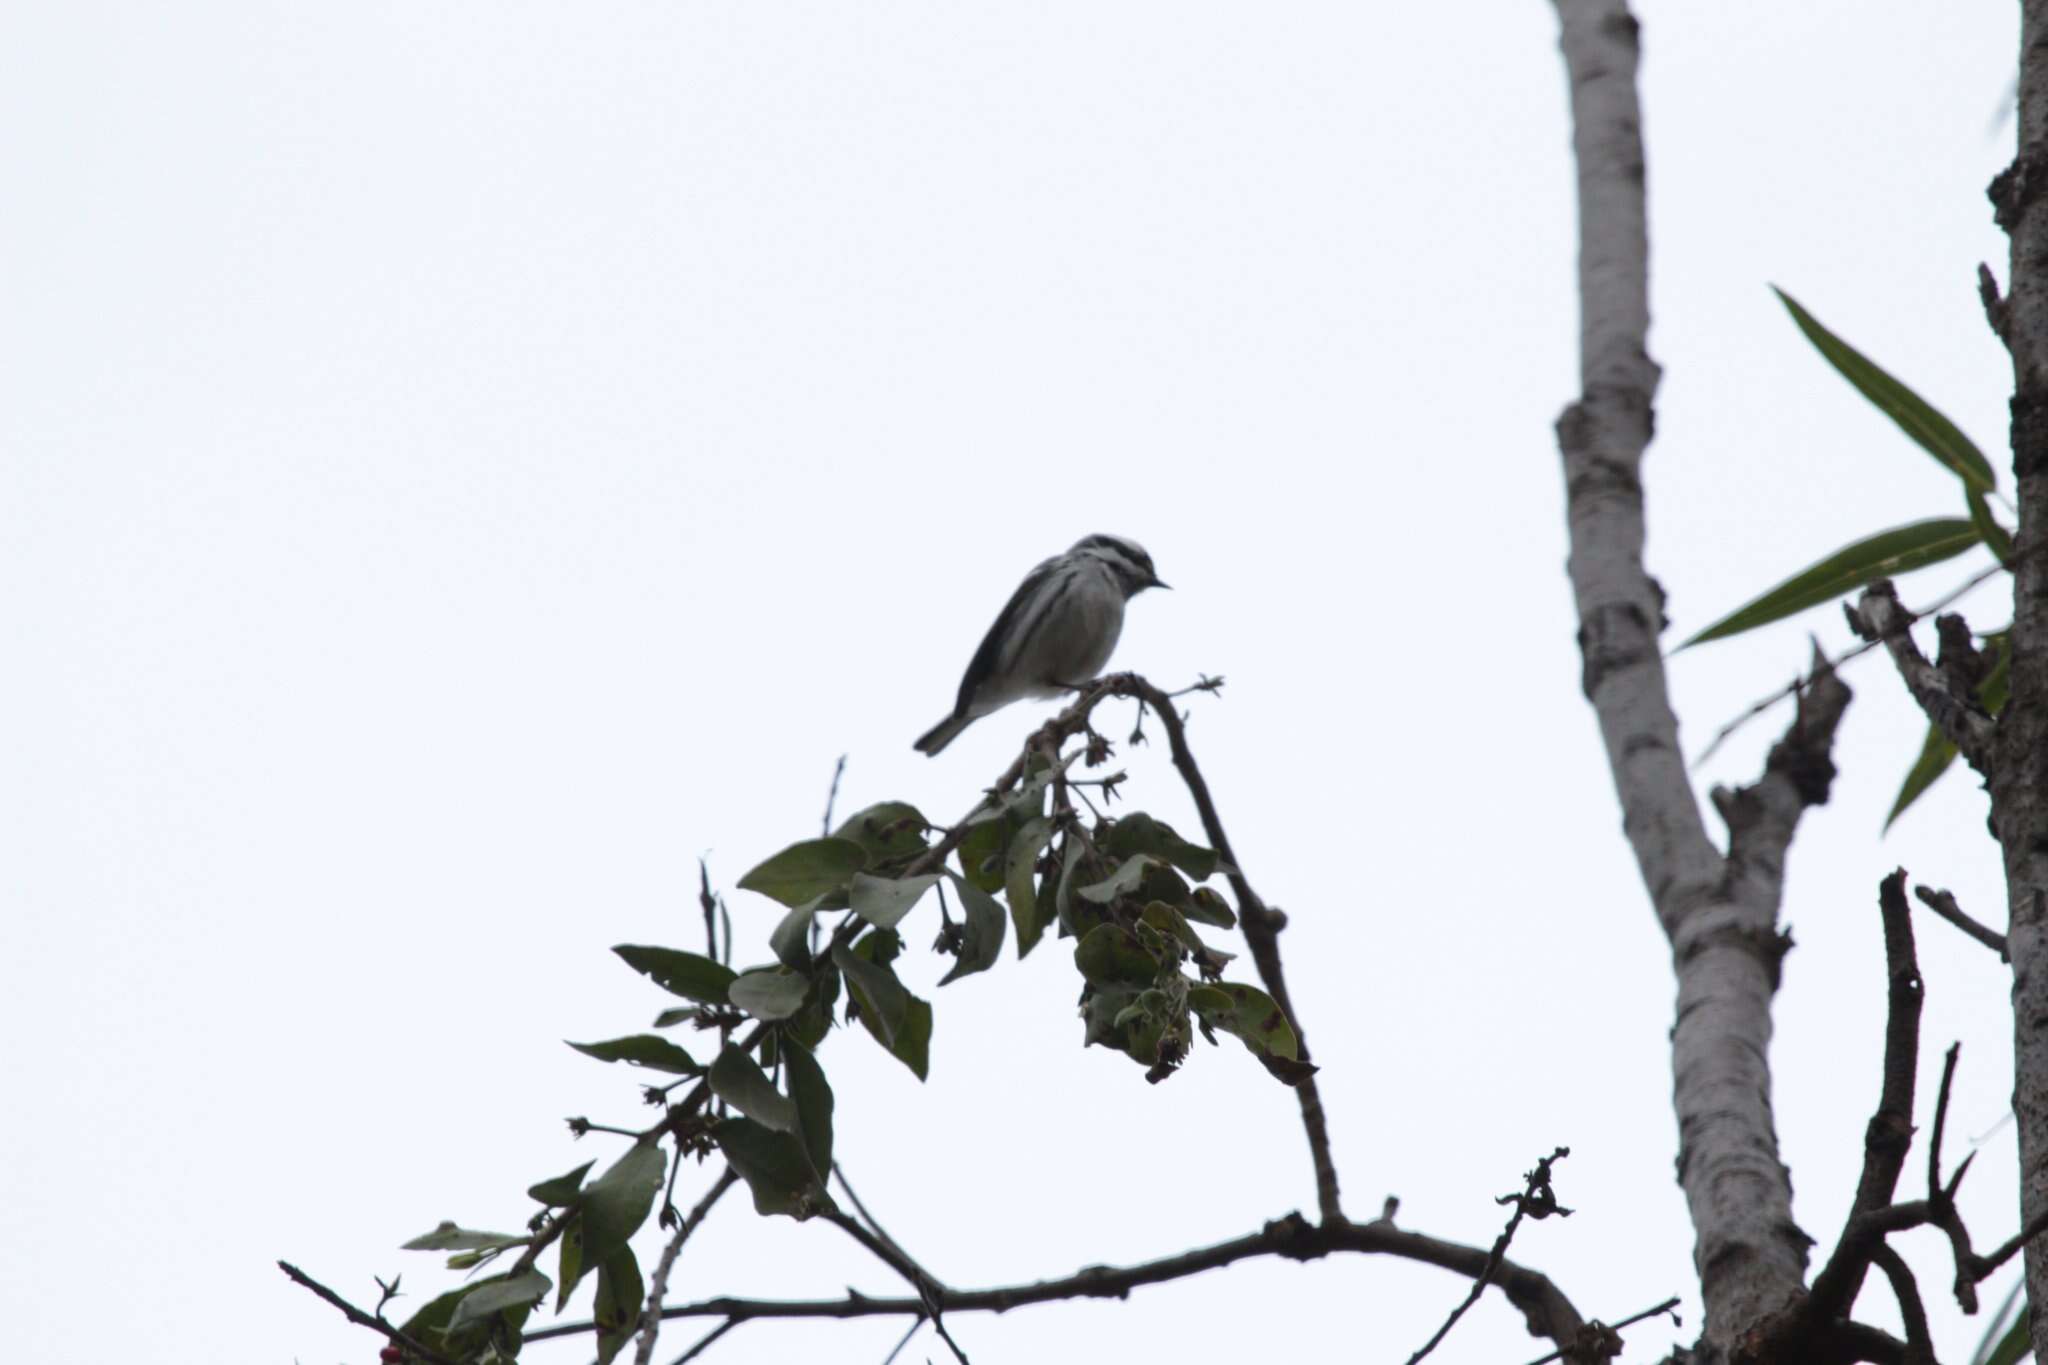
pixel 1919 1344
pixel 832 796
pixel 1944 904
pixel 703 1343
pixel 650 1317
pixel 1890 1131
pixel 362 1319
pixel 1537 1199
pixel 1877 615
pixel 1547 1311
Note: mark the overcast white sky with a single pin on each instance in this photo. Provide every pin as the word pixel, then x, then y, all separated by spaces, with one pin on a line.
pixel 463 461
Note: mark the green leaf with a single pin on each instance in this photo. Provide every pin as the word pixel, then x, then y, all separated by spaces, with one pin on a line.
pixel 813 1098
pixel 1989 527
pixel 803 872
pixel 569 1270
pixel 448 1237
pixel 1107 955
pixel 776 1168
pixel 1019 862
pixel 890 833
pixel 770 993
pixel 983 942
pixel 899 1021
pixel 1252 1016
pixel 621 1295
pixel 980 854
pixel 561 1191
pixel 2014 1346
pixel 643 1049
pixel 1928 429
pixel 879 995
pixel 680 973
pixel 740 1082
pixel 1899 550
pixel 791 940
pixel 1140 833
pixel 495 1296
pixel 617 1202
pixel 884 901
pixel 1936 753
pixel 1205 906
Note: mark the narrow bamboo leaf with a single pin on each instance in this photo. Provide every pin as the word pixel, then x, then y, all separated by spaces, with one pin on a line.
pixel 2014 1346
pixel 449 1237
pixel 983 941
pixel 685 974
pixel 1928 429
pixel 775 1166
pixel 1899 550
pixel 561 1191
pixel 884 901
pixel 1936 754
pixel 643 1049
pixel 620 1297
pixel 1020 860
pixel 494 1296
pixel 1989 527
pixel 813 1098
pixel 617 1202
pixel 803 872
pixel 770 993
pixel 740 1082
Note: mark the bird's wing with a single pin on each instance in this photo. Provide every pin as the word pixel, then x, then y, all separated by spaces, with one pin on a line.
pixel 984 661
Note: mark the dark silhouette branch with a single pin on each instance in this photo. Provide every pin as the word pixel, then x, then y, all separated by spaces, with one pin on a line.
pixel 1546 1310
pixel 363 1319
pixel 1944 904
pixel 1536 1200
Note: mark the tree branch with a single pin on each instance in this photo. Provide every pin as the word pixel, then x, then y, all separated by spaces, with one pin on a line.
pixel 363 1319
pixel 1944 904
pixel 650 1317
pixel 1890 1131
pixel 1720 915
pixel 1546 1310
pixel 1536 1199
pixel 1878 615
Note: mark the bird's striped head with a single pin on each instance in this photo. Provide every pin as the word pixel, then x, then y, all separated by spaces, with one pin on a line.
pixel 1126 559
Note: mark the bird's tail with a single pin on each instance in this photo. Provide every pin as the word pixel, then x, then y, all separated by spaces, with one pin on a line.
pixel 942 734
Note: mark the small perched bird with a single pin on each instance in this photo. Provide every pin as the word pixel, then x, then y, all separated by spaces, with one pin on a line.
pixel 1056 633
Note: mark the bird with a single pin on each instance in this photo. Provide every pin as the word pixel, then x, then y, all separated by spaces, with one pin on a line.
pixel 1056 633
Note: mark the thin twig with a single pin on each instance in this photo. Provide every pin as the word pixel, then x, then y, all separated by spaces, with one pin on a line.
pixel 709 903
pixel 1669 1305
pixel 1792 688
pixel 832 797
pixel 904 1341
pixel 359 1317
pixel 1943 903
pixel 1536 1199
pixel 650 1317
pixel 703 1343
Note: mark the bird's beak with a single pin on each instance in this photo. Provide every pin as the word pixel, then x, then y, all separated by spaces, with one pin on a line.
pixel 1160 583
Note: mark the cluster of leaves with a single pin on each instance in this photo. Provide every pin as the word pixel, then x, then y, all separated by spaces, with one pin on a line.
pixel 1125 890
pixel 1901 549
